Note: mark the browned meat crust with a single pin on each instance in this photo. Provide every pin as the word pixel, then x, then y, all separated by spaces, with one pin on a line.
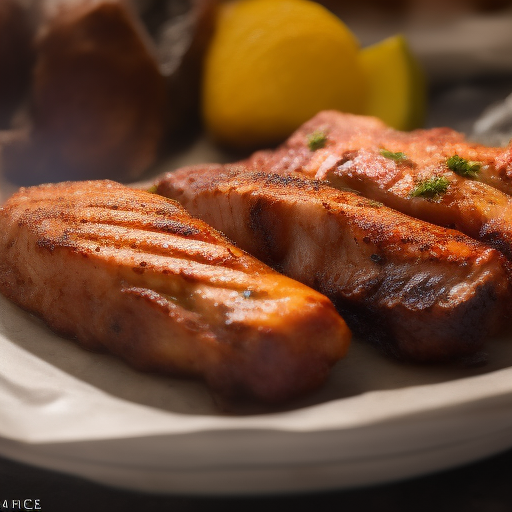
pixel 427 149
pixel 423 292
pixel 133 273
pixel 353 157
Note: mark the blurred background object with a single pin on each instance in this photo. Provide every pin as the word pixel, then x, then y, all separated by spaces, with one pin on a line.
pixel 112 88
pixel 105 92
pixel 97 97
pixel 494 126
pixel 454 40
pixel 15 57
pixel 181 30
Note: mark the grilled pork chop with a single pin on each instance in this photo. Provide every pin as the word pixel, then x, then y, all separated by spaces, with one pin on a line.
pixel 420 291
pixel 133 273
pixel 411 172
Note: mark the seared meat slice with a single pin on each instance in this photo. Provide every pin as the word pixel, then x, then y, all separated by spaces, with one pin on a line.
pixel 420 291
pixel 133 273
pixel 398 169
pixel 427 149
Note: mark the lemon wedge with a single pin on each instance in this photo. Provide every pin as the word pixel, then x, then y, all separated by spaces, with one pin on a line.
pixel 272 65
pixel 396 84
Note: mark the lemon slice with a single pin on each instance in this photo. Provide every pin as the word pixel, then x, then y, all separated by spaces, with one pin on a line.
pixel 396 85
pixel 272 65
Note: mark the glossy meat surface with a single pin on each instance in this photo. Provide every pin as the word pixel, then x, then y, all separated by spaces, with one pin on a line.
pixel 420 291
pixel 133 273
pixel 353 157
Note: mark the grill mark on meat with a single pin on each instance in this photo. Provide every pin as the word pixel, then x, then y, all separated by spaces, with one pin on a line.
pixel 263 233
pixel 151 221
pixel 158 243
pixel 213 271
pixel 176 228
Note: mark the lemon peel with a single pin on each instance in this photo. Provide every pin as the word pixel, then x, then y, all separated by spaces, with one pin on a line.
pixel 272 65
pixel 396 83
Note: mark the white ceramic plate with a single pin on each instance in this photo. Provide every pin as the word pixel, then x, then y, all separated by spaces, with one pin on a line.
pixel 376 420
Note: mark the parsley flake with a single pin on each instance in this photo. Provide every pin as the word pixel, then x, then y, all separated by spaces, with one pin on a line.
pixel 431 188
pixel 317 140
pixel 397 157
pixel 463 167
pixel 152 189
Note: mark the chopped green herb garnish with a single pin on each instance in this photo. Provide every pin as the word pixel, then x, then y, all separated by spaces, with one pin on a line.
pixel 375 204
pixel 393 156
pixel 152 189
pixel 317 140
pixel 463 167
pixel 431 188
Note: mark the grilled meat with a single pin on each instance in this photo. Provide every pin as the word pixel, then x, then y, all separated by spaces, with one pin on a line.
pixel 399 169
pixel 427 149
pixel 133 273
pixel 420 291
